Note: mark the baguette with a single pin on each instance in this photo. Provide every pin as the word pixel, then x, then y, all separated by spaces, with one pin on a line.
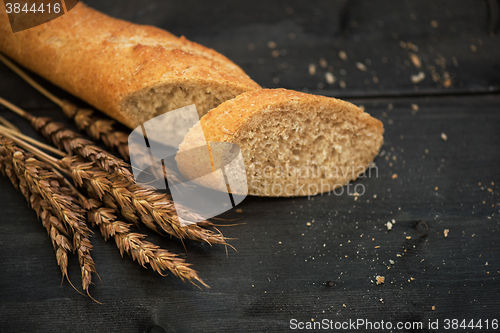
pixel 292 143
pixel 130 72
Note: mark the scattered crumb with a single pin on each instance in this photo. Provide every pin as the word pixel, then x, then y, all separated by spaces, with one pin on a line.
pixel 380 279
pixel 343 55
pixel 433 308
pixel 374 196
pixel 444 137
pixel 434 24
pixel 377 247
pixel 394 176
pixel 275 53
pixel 330 79
pixel 415 60
pixel 344 305
pixel 417 78
pixel 308 224
pixel 276 80
pixel 381 300
pixel 312 69
pixel 408 237
pixel 361 66
pixel 436 188
pixel 239 210
pixel 375 79
pixel 342 84
pixel 323 63
pixel 271 44
pixel 389 225
pixel 473 48
pixel 391 261
pixel 251 47
pixel 445 232
pixel 414 108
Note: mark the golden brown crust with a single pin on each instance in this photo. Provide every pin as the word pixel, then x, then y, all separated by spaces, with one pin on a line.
pixel 104 60
pixel 226 122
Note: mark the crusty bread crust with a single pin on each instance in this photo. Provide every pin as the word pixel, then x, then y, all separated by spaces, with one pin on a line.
pixel 113 64
pixel 248 116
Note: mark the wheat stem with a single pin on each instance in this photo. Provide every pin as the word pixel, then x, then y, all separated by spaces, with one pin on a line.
pixel 15 109
pixel 33 141
pixel 28 79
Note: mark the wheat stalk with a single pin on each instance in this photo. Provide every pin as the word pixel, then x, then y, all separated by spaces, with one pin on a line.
pixel 133 244
pixel 60 214
pixel 135 203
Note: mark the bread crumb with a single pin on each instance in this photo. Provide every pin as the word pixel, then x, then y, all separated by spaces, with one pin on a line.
pixel 343 55
pixel 444 137
pixel 389 225
pixel 330 78
pixel 271 44
pixel 323 63
pixel 436 188
pixel 342 84
pixel 380 279
pixel 361 66
pixel 381 300
pixel 312 69
pixel 408 237
pixel 434 24
pixel 414 107
pixel 473 48
pixel 433 308
pixel 239 210
pixel 308 224
pixel 377 247
pixel 445 232
pixel 415 60
pixel 391 261
pixel 417 78
pixel 275 53
pixel 394 176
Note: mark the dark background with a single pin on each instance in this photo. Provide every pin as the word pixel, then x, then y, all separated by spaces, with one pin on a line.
pixel 283 267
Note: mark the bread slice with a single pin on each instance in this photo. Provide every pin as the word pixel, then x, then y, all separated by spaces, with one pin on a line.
pixel 292 143
pixel 131 72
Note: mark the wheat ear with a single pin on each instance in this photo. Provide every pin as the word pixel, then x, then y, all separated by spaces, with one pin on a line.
pixel 135 246
pixel 60 214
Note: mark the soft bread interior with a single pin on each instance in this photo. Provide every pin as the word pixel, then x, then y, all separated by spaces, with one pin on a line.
pixel 294 147
pixel 154 101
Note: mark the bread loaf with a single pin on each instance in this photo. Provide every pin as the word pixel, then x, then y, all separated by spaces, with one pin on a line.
pixel 292 143
pixel 131 72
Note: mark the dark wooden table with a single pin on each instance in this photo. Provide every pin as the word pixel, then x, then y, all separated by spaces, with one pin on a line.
pixel 318 258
